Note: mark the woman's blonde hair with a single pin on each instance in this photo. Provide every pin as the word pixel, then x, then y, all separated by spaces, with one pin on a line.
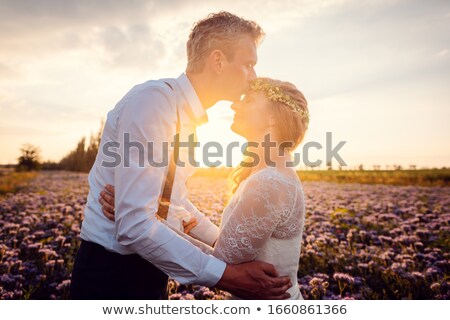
pixel 291 127
pixel 220 31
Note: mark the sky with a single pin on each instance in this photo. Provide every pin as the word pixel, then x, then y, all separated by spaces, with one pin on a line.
pixel 376 74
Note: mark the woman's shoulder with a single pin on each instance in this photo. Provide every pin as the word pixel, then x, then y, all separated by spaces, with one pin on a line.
pixel 276 175
pixel 273 185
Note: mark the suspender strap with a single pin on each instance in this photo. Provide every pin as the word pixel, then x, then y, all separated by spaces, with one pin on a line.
pixel 164 201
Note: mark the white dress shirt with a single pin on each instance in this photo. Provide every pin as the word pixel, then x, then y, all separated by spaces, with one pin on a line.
pixel 147 114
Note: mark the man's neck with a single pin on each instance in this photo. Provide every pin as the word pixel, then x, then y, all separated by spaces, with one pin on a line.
pixel 203 89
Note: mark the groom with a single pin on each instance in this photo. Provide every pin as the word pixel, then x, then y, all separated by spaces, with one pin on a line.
pixel 133 257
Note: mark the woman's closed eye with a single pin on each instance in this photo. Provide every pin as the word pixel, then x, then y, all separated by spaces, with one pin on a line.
pixel 247 101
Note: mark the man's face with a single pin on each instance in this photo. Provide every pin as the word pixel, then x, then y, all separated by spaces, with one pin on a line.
pixel 238 72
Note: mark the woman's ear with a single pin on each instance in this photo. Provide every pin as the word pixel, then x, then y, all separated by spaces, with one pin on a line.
pixel 272 121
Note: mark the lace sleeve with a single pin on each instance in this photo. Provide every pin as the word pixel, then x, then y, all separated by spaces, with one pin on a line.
pixel 264 204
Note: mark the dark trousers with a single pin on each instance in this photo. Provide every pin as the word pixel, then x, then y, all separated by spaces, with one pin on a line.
pixel 99 274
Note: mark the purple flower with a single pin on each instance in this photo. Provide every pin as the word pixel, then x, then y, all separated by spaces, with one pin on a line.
pixel 343 277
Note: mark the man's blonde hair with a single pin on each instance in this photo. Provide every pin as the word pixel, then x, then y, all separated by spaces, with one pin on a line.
pixel 218 31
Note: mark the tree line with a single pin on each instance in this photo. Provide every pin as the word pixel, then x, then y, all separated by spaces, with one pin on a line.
pixel 79 159
pixel 82 158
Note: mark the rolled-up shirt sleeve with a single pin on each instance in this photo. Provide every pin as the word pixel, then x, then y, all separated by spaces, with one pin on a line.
pixel 205 230
pixel 146 122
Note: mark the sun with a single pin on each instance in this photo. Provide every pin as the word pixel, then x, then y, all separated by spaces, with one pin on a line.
pixel 218 145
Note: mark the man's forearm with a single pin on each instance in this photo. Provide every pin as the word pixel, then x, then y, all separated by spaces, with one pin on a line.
pixel 174 255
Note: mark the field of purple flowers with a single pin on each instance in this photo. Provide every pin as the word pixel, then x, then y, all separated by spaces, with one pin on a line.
pixel 360 241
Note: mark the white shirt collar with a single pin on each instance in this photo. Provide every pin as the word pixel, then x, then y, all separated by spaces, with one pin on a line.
pixel 198 112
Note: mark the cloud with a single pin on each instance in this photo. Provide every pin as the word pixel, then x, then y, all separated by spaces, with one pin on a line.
pixel 356 46
pixel 443 53
pixel 65 63
pixel 7 72
pixel 122 32
pixel 54 14
pixel 133 46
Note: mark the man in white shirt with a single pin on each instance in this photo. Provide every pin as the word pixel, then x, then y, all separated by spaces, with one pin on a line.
pixel 133 257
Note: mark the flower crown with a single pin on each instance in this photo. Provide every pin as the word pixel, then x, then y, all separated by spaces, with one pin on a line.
pixel 278 95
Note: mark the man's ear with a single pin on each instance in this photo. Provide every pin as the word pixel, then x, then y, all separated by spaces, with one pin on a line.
pixel 216 59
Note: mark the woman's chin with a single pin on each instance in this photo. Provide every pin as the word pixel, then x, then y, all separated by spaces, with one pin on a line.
pixel 235 128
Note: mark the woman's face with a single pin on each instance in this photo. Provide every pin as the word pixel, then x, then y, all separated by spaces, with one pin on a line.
pixel 252 119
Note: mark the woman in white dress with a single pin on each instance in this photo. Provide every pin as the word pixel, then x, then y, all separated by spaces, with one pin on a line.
pixel 264 219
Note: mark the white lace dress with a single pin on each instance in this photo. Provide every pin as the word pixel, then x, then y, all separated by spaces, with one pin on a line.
pixel 264 221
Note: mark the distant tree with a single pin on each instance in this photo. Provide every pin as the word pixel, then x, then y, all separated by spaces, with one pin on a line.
pixel 75 160
pixel 30 158
pixel 82 158
pixel 50 165
pixel 92 149
pixel 361 167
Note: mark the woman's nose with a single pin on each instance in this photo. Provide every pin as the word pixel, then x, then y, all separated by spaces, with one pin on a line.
pixel 234 106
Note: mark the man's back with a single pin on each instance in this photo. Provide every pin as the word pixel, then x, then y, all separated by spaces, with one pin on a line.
pixel 96 227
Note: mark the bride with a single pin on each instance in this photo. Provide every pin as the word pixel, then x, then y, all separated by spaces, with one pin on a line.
pixel 264 219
